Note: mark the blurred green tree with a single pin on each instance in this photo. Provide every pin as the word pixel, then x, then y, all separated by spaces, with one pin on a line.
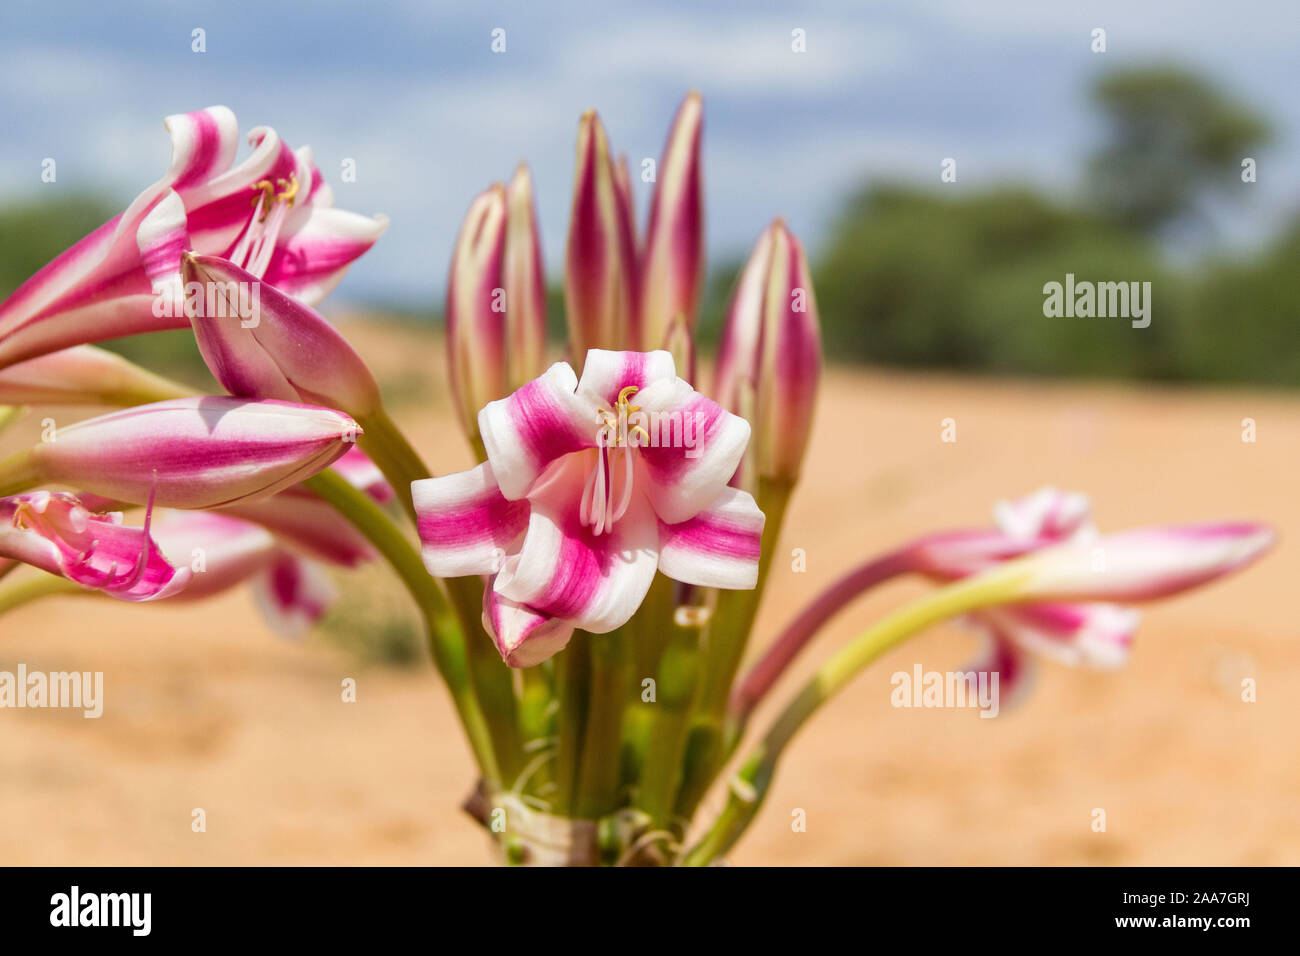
pixel 1171 135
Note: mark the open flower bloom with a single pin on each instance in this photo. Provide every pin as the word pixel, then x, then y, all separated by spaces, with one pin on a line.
pixel 271 214
pixel 56 533
pixel 194 452
pixel 590 487
pixel 1076 573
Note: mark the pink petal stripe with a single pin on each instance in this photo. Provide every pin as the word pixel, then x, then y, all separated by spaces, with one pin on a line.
pixel 523 636
pixel 607 373
pixel 465 524
pixel 698 446
pixel 719 547
pixel 541 422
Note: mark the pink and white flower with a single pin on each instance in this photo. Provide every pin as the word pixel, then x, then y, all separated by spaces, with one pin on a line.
pixel 590 487
pixel 223 552
pixel 1074 570
pixel 271 214
pixel 57 533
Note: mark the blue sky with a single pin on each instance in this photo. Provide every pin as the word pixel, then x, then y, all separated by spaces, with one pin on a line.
pixel 413 93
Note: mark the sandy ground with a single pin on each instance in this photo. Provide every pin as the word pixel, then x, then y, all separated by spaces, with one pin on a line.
pixel 206 709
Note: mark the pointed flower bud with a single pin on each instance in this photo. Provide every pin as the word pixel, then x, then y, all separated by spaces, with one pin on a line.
pixel 673 267
pixel 193 452
pixel 496 300
pixel 1144 563
pixel 600 265
pixel 476 303
pixel 261 343
pixel 525 284
pixel 82 375
pixel 772 338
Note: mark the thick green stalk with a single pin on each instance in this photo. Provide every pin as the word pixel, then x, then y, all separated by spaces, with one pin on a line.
pixel 602 739
pixel 675 682
pixel 446 642
pixel 728 634
pixel 18 473
pixel 573 683
pixel 651 631
pixel 751 783
pixel 20 590
pixel 401 465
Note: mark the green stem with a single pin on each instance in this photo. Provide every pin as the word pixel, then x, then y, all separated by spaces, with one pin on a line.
pixel 751 783
pixel 602 746
pixel 446 642
pixel 728 634
pixel 573 681
pixel 401 464
pixel 19 591
pixel 651 630
pixel 388 448
pixel 675 682
pixel 18 473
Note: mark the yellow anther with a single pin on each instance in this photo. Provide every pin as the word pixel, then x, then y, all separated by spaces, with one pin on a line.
pixel 289 190
pixel 268 197
pixel 265 190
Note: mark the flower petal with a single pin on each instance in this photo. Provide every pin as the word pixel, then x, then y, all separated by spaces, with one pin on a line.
pixel 694 448
pixel 564 570
pixel 1144 563
pixel 1095 635
pixel 717 548
pixel 523 636
pixel 465 524
pixel 1013 667
pixel 223 552
pixel 607 373
pixel 1045 514
pixel 310 259
pixel 540 422
pixel 308 523
pixel 293 594
pixel 55 533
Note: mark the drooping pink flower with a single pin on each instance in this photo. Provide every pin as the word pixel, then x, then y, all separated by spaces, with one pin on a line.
pixel 223 552
pixel 270 214
pixel 590 487
pixel 1070 578
pixel 56 533
pixel 1066 612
